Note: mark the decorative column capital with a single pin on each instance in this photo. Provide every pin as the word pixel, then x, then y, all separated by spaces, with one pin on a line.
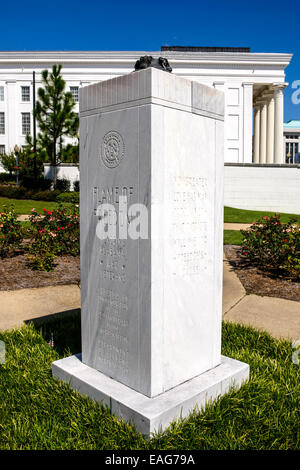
pixel 279 87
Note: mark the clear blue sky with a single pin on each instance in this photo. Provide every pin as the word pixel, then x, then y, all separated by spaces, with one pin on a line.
pixel 264 26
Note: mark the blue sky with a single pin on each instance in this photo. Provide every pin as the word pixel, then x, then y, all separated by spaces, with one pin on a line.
pixel 264 26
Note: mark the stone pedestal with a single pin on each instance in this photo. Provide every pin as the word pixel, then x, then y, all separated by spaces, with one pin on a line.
pixel 151 160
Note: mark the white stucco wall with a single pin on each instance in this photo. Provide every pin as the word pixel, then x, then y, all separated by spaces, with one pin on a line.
pixel 262 187
pixel 67 171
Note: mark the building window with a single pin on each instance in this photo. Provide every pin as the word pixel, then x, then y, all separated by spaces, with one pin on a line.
pixel 291 149
pixel 25 123
pixel 74 91
pixel 1 93
pixel 2 123
pixel 2 149
pixel 291 136
pixel 25 93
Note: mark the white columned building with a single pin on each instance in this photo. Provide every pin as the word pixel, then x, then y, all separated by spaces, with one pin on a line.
pixel 291 136
pixel 268 124
pixel 249 81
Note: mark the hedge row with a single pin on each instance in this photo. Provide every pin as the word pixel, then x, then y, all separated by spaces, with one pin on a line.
pixel 19 192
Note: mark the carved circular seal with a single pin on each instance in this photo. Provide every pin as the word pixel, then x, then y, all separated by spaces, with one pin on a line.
pixel 113 149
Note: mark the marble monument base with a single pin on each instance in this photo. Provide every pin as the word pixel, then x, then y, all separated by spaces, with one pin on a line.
pixel 151 414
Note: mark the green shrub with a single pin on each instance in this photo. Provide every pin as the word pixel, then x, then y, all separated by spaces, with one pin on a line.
pixel 10 232
pixel 41 257
pixel 72 197
pixel 6 177
pixel 273 245
pixel 45 195
pixel 63 185
pixel 19 192
pixel 76 186
pixel 31 183
pixel 15 192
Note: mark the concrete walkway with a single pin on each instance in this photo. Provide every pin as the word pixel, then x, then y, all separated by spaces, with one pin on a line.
pixel 23 217
pixel 231 226
pixel 22 305
pixel 279 317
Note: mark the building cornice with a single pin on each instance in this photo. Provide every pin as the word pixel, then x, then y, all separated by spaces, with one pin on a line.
pixel 129 57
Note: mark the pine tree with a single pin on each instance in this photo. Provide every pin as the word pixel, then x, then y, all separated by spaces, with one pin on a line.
pixel 54 114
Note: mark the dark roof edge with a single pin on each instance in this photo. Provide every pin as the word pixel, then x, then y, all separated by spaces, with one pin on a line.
pixel 204 49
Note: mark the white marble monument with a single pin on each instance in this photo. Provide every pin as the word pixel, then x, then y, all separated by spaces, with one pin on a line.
pixel 152 290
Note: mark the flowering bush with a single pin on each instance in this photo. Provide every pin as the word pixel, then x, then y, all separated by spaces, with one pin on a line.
pixel 10 232
pixel 41 257
pixel 54 232
pixel 271 244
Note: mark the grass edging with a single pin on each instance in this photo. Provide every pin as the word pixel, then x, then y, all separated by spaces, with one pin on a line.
pixel 39 412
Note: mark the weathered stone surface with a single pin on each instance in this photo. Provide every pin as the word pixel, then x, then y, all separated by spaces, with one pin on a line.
pixel 152 306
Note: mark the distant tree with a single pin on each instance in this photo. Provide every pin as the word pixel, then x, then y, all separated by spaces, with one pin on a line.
pixel 54 114
pixel 30 164
pixel 24 161
pixel 70 154
pixel 8 161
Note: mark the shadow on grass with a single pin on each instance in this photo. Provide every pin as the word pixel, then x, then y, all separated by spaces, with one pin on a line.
pixel 64 328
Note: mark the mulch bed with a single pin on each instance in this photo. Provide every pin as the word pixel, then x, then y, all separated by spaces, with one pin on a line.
pixel 16 274
pixel 256 281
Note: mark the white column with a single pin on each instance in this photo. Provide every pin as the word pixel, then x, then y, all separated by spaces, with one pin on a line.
pixel 256 133
pixel 270 130
pixel 247 121
pixel 12 124
pixel 278 128
pixel 263 133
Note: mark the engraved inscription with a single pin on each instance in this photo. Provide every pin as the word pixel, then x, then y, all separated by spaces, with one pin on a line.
pixel 113 260
pixel 189 225
pixel 113 343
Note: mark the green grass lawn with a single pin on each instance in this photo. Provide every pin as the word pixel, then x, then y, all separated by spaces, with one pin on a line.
pixel 248 217
pixel 24 206
pixel 39 412
pixel 232 237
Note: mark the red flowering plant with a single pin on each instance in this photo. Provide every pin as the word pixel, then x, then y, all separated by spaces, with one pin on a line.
pixel 273 245
pixel 11 235
pixel 57 229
